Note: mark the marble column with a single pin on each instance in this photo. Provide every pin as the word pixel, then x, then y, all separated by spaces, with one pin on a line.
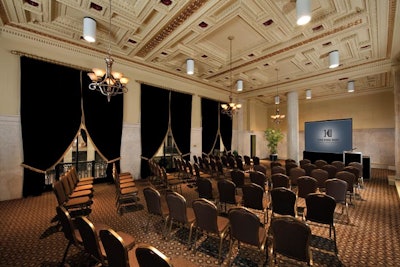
pixel 396 92
pixel 293 126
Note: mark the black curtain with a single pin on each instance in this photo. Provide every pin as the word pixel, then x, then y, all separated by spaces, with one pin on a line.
pixel 181 121
pixel 50 117
pixel 103 121
pixel 154 123
pixel 51 114
pixel 225 128
pixel 209 119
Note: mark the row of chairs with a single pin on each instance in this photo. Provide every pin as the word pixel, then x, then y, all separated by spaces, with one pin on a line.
pixel 202 216
pixel 73 193
pixel 109 247
pixel 126 192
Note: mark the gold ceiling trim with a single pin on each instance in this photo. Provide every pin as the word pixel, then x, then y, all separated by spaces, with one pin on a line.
pixel 191 8
pixel 294 46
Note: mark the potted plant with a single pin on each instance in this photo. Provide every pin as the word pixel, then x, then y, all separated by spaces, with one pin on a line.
pixel 273 137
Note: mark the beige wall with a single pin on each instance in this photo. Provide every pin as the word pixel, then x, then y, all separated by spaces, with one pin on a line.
pixel 373 115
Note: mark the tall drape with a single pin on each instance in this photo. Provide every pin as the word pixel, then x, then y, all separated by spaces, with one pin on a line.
pixel 51 115
pixel 225 128
pixel 181 121
pixel 154 123
pixel 214 125
pixel 103 121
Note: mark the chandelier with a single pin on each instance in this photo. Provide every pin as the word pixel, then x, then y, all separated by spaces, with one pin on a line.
pixel 230 108
pixel 108 82
pixel 277 117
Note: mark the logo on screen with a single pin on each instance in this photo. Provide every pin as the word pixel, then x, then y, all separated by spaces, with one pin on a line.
pixel 328 133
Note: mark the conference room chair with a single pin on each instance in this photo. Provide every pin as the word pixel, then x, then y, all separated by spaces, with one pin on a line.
pixel 238 176
pixel 239 163
pixel 278 169
pixel 83 184
pixel 254 234
pixel 179 213
pixel 321 176
pixel 303 162
pixel 224 161
pixel 125 196
pixel 231 163
pixel 320 162
pixel 289 165
pixel 338 164
pixel 73 192
pixel 221 170
pixel 199 173
pixel 227 194
pixel 280 180
pixel 70 232
pixel 253 198
pixel 209 222
pixel 149 256
pixel 156 207
pixel 320 209
pixel 195 159
pixel 256 160
pixel 76 206
pixel 247 163
pixel 89 233
pixel 205 189
pixel 309 167
pixel 331 169
pixel 260 168
pixel 275 163
pixel 171 183
pixel 360 178
pixel 80 180
pixel 259 178
pixel 337 189
pixel 118 255
pixel 294 174
pixel 349 178
pixel 283 202
pixel 305 185
pixel 291 238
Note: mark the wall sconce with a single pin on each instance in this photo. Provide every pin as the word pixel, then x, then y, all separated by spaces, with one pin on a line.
pixel 89 29
pixel 308 94
pixel 190 66
pixel 239 85
pixel 333 59
pixel 303 11
pixel 350 86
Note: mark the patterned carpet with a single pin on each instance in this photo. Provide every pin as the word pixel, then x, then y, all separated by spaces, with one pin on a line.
pixel 29 235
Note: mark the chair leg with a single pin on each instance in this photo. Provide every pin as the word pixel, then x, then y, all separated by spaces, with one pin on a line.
pixel 65 254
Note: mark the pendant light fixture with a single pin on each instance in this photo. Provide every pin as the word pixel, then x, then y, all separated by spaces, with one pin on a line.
pixel 333 59
pixel 108 82
pixel 303 11
pixel 89 29
pixel 277 117
pixel 190 66
pixel 350 86
pixel 230 108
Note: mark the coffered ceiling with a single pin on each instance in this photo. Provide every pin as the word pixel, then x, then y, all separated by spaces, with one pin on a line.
pixel 163 34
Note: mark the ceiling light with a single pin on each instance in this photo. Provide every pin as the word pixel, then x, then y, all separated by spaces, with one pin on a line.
pixel 89 29
pixel 333 59
pixel 230 108
pixel 107 82
pixel 350 86
pixel 190 66
pixel 308 94
pixel 303 11
pixel 277 100
pixel 239 85
pixel 277 117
